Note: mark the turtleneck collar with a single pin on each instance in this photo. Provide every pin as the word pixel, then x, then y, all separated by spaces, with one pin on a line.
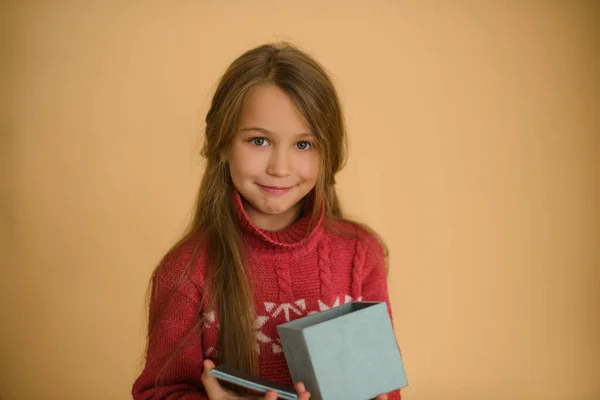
pixel 296 238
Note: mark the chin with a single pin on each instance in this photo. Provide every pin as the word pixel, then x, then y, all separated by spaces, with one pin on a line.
pixel 275 209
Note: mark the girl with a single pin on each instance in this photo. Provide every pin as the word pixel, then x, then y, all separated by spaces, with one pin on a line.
pixel 268 242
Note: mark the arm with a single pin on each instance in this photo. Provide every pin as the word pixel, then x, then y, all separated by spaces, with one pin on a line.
pixel 374 284
pixel 173 370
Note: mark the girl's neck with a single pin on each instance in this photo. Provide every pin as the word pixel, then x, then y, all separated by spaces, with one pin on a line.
pixel 288 234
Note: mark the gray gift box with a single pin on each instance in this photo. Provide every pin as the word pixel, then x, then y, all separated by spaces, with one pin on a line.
pixel 348 352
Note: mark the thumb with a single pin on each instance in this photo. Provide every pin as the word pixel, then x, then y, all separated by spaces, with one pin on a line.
pixel 211 384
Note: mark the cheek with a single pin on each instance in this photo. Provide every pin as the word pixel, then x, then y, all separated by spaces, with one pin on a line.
pixel 309 169
pixel 241 163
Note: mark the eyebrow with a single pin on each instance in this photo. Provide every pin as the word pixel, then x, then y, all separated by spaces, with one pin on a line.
pixel 268 132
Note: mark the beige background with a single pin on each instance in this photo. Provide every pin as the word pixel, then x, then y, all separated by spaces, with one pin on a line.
pixel 474 131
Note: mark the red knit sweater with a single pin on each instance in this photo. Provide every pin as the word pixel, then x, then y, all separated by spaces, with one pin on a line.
pixel 294 274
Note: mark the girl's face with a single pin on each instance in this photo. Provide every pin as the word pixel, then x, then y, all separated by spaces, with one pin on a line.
pixel 273 162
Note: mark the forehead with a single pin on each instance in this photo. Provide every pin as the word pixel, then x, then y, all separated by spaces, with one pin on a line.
pixel 270 108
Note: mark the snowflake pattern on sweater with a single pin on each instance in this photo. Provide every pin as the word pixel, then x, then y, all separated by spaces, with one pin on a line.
pixel 269 317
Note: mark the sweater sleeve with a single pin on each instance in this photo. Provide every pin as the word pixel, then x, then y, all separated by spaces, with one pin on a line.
pixel 174 354
pixel 374 284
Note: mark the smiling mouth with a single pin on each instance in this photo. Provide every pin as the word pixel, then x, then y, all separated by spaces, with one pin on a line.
pixel 275 189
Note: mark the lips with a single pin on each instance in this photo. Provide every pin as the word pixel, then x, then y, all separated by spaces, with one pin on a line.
pixel 275 189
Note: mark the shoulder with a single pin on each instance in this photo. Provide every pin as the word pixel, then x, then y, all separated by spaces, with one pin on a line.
pixel 183 267
pixel 361 249
pixel 185 251
pixel 359 235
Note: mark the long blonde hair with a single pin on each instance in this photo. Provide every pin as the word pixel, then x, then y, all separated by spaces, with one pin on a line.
pixel 308 86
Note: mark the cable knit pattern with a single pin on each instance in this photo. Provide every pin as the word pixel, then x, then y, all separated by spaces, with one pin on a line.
pixel 357 270
pixel 284 280
pixel 325 270
pixel 295 272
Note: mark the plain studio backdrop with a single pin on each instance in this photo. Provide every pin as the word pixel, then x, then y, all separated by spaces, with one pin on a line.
pixel 474 151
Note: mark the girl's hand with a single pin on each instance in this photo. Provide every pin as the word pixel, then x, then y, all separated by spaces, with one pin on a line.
pixel 214 391
pixel 382 397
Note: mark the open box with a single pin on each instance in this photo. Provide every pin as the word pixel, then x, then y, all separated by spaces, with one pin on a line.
pixel 347 352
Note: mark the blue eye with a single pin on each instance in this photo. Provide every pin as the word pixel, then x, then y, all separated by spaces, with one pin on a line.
pixel 303 145
pixel 258 141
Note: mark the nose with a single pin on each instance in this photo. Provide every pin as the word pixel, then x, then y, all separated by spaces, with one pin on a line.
pixel 279 164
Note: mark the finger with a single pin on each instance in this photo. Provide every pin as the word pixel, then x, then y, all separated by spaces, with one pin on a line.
pixel 211 384
pixel 300 387
pixel 382 397
pixel 303 394
pixel 271 395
